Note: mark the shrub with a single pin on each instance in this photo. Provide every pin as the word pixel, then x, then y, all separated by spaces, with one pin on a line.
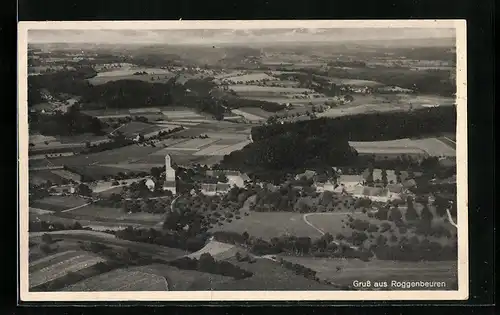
pixel 47 238
pixel 45 248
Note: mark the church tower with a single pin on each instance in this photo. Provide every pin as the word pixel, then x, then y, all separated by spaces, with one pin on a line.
pixel 169 175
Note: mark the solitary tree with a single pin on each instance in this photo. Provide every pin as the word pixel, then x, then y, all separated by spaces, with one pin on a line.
pixel 84 190
pixel 411 213
pixel 384 177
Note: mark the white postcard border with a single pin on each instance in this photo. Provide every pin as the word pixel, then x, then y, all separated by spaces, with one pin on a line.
pixel 462 198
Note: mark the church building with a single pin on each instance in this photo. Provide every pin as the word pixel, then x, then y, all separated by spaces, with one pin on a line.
pixel 169 183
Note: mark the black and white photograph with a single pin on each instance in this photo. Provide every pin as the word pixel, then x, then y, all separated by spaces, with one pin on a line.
pixel 243 160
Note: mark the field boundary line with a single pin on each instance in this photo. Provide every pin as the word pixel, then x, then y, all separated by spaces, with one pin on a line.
pixel 304 217
pixel 450 140
pixel 77 207
pixel 451 219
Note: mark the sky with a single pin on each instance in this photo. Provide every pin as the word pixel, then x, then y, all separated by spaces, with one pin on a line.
pixel 227 36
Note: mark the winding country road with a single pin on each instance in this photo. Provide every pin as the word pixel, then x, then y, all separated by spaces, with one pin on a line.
pixel 305 216
pixel 451 219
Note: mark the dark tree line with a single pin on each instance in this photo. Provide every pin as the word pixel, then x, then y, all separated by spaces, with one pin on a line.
pixel 180 240
pixel 376 126
pixel 70 123
pixel 46 226
pixel 289 150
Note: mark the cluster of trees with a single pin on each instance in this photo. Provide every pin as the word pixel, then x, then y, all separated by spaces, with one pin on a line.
pixel 324 246
pixel 290 199
pixel 207 263
pixel 236 102
pixel 70 123
pixel 158 206
pixel 350 64
pixel 290 150
pixel 117 257
pixel 185 240
pixel 114 143
pixel 377 126
pixel 39 191
pixel 415 250
pixel 397 237
pixel 66 81
pixel 299 269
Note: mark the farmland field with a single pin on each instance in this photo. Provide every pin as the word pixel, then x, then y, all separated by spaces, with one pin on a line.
pixel 67 174
pixel 76 262
pixel 211 150
pixel 227 135
pixel 377 270
pixel 121 280
pixel 279 99
pixel 40 139
pixel 247 115
pixel 270 224
pixel 58 203
pixel 81 138
pixel 193 144
pixel 250 77
pixel 91 212
pixel 95 224
pixel 385 103
pixel 178 157
pixel 270 275
pixel 214 248
pixel 180 114
pixel 235 147
pixel 129 153
pixel 182 280
pixel 228 141
pixel 153 75
pixel 431 146
pixel 268 89
pixel 47 261
pixel 162 252
pixel 135 127
pixel 40 177
pixel 97 172
pixel 354 82
pixel 255 111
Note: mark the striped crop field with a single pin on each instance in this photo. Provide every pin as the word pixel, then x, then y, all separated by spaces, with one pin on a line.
pixel 170 142
pixel 121 280
pixel 49 260
pixel 228 141
pixel 246 115
pixel 267 89
pixel 54 271
pixel 67 174
pixel 145 110
pixel 179 114
pixel 250 77
pixel 193 143
pixel 228 135
pixel 211 150
pixel 232 148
